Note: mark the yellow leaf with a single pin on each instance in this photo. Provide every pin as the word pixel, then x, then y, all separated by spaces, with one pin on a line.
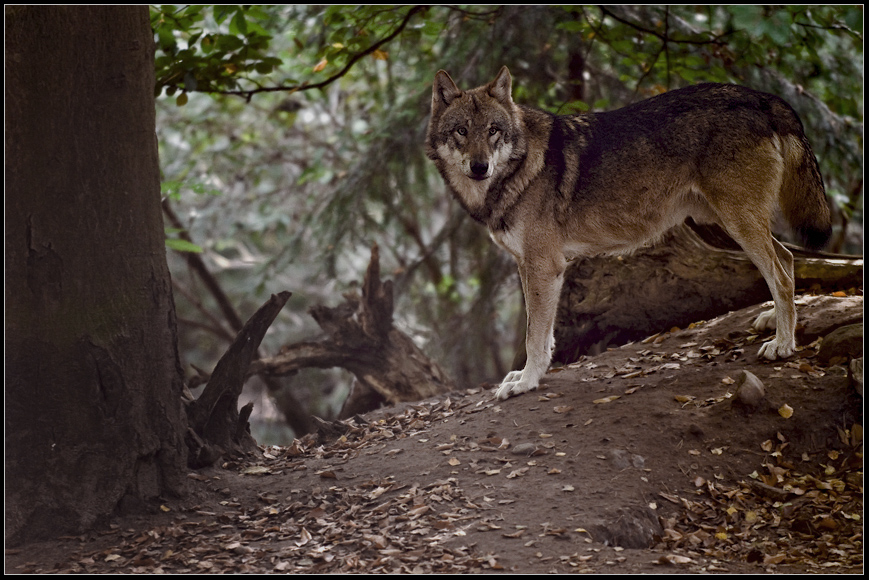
pixel 181 100
pixel 609 399
pixel 321 65
pixel 786 411
pixel 165 509
pixel 380 55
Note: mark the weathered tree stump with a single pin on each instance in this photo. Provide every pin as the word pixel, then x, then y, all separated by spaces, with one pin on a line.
pixel 216 427
pixel 694 273
pixel 388 366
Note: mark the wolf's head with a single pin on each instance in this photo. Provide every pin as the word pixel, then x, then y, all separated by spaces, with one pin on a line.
pixel 473 135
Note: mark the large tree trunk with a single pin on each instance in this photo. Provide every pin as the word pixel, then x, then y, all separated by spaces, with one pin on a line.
pixel 94 419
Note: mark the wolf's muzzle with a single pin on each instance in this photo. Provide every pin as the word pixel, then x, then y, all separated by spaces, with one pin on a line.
pixel 479 170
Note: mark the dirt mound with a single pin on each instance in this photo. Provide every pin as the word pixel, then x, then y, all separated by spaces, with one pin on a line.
pixel 635 460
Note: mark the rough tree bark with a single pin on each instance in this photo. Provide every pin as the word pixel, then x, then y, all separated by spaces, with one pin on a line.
pixel 695 273
pixel 94 419
pixel 387 365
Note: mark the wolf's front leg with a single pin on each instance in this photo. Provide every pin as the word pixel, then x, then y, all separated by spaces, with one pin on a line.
pixel 541 302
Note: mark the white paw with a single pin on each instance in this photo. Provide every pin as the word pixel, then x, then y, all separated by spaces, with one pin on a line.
pixel 512 377
pixel 766 321
pixel 513 385
pixel 772 350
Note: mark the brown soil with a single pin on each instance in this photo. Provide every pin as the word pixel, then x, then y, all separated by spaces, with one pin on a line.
pixel 635 460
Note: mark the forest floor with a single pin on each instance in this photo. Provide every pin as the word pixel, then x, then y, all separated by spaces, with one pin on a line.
pixel 633 461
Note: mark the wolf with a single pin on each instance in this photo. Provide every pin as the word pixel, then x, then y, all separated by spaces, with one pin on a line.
pixel 554 188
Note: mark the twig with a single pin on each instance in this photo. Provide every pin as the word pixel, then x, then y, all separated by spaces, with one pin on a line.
pixel 195 262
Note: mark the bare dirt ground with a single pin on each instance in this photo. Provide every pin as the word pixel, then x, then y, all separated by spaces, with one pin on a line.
pixel 633 461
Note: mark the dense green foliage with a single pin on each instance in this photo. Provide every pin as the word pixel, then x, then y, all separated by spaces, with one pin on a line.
pixel 309 123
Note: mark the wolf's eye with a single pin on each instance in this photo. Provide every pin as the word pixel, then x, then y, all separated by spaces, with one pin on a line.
pixel 493 130
pixel 462 131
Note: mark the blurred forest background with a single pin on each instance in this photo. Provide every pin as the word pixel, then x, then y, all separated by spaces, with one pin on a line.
pixel 291 141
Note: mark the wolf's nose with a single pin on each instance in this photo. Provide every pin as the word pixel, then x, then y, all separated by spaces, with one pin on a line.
pixel 479 168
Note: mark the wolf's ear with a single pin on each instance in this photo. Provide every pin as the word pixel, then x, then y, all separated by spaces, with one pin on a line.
pixel 443 92
pixel 501 88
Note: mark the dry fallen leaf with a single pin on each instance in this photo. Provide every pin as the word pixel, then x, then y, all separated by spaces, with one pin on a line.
pixel 518 472
pixel 786 411
pixel 304 537
pixel 604 400
pixel 674 559
pixel 255 470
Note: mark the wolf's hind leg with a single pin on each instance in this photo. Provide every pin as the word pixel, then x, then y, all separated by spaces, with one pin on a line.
pixel 776 265
pixel 765 320
pixel 742 194
pixel 783 316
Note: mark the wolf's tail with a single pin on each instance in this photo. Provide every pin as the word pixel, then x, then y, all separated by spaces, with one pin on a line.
pixel 802 196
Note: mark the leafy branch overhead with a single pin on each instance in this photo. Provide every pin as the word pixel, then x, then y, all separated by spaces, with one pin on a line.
pixel 238 62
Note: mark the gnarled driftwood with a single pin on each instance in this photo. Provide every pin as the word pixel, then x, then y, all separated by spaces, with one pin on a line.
pixel 388 366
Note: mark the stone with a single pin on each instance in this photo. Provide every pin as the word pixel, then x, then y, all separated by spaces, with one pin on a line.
pixel 750 392
pixel 846 342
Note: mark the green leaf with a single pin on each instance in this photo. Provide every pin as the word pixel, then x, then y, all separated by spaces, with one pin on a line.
pixel 238 25
pixel 221 11
pixel 182 246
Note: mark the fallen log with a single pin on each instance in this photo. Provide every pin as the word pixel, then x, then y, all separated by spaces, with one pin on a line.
pixel 695 273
